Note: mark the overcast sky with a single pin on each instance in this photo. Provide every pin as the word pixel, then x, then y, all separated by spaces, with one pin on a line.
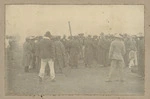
pixel 27 20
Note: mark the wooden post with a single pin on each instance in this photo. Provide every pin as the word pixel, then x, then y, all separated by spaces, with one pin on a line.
pixel 70 28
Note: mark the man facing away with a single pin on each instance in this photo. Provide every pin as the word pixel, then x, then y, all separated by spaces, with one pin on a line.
pixel 116 53
pixel 46 52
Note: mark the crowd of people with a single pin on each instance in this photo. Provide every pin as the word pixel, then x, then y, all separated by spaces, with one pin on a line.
pixel 50 54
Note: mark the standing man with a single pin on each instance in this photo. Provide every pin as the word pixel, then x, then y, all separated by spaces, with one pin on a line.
pixel 59 55
pixel 141 55
pixel 74 52
pixel 88 59
pixel 38 60
pixel 33 57
pixel 27 50
pixel 95 48
pixel 102 50
pixel 46 53
pixel 116 53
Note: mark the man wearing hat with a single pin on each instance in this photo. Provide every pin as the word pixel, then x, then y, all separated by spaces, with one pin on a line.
pixel 116 53
pixel 46 53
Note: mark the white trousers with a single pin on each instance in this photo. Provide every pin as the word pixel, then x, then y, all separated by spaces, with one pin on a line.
pixel 51 66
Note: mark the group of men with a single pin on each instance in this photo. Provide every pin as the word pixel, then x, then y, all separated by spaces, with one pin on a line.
pixel 50 54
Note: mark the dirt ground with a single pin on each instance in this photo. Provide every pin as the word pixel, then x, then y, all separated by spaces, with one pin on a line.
pixel 80 81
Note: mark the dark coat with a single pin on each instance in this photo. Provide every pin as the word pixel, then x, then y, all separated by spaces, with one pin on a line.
pixel 46 48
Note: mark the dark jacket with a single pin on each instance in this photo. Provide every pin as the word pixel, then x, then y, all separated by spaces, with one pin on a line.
pixel 46 48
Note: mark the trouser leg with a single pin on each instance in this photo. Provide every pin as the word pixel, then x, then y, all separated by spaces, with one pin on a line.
pixel 52 71
pixel 42 69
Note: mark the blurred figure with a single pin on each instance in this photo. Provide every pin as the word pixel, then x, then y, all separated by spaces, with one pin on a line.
pixel 95 48
pixel 132 53
pixel 74 52
pixel 81 42
pixel 33 56
pixel 127 46
pixel 46 53
pixel 27 54
pixel 107 46
pixel 7 42
pixel 59 55
pixel 102 50
pixel 88 51
pixel 141 55
pixel 38 59
pixel 116 53
pixel 65 42
pixel 7 49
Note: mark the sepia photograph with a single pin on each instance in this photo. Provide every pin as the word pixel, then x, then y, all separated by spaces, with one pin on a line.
pixel 74 50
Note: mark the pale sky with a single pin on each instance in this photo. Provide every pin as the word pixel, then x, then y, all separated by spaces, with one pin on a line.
pixel 28 20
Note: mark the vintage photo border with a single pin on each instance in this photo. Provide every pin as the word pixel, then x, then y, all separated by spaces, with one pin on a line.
pixel 75 2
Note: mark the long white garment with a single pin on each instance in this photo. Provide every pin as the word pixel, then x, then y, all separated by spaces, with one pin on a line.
pixel 51 66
